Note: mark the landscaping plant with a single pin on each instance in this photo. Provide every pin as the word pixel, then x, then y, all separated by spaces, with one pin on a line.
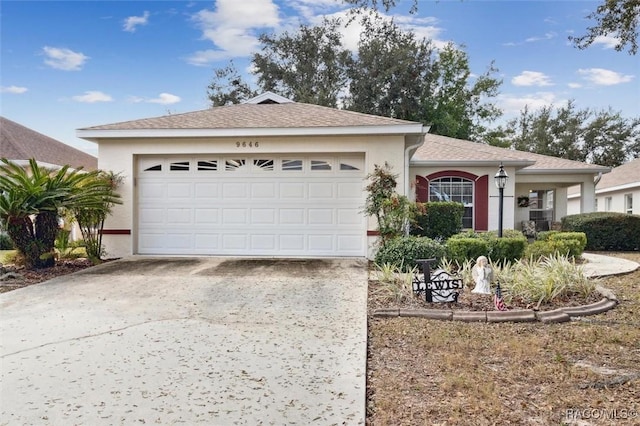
pixel 33 197
pixel 394 213
pixel 91 217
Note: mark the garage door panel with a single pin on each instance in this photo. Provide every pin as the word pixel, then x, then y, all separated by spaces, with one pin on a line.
pixel 206 242
pixel 263 216
pixel 320 190
pixel 206 190
pixel 292 242
pixel 349 243
pixel 231 190
pixel 262 242
pixel 321 216
pixel 320 243
pixel 234 216
pixel 235 242
pixel 289 216
pixel 263 190
pixel 151 191
pixel 179 241
pixel 150 216
pixel 349 217
pixel 206 216
pixel 349 190
pixel 152 241
pixel 179 191
pixel 292 190
pixel 178 216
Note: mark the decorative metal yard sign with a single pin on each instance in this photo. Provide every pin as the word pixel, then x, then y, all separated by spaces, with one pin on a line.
pixel 437 287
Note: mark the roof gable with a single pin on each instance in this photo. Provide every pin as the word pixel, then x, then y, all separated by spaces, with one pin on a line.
pixel 268 98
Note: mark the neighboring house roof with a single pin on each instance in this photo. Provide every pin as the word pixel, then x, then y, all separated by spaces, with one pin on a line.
pixel 626 175
pixel 19 143
pixel 443 150
pixel 622 177
pixel 251 119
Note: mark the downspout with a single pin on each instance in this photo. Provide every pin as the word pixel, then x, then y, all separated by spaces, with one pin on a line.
pixel 407 159
pixel 597 179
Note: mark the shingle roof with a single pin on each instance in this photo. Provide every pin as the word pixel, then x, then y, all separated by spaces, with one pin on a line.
pixel 628 173
pixel 18 143
pixel 445 149
pixel 256 116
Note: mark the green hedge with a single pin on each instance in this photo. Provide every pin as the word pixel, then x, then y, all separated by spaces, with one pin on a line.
pixel 508 248
pixel 461 249
pixel 404 251
pixel 441 219
pixel 538 249
pixel 606 230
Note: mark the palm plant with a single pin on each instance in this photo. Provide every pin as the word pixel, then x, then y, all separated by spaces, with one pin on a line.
pixel 31 199
pixel 91 216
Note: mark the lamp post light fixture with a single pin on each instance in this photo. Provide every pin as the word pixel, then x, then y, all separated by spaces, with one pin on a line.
pixel 501 181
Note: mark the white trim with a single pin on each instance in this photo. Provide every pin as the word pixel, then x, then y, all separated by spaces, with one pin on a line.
pixel 400 129
pixel 471 163
pixel 567 171
pixel 630 185
pixel 268 96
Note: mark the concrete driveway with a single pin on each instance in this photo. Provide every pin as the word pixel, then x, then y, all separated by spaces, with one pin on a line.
pixel 214 341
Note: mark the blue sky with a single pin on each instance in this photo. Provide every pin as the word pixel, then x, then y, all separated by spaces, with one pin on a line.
pixel 68 65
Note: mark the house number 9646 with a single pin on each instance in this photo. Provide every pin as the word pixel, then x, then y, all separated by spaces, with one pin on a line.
pixel 246 144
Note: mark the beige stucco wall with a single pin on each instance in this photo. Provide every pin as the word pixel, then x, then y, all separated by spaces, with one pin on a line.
pixel 119 155
pixel 617 201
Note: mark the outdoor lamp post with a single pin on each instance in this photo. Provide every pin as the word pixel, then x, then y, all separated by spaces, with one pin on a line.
pixel 501 181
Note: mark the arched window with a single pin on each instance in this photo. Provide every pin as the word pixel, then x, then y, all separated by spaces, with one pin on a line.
pixel 457 189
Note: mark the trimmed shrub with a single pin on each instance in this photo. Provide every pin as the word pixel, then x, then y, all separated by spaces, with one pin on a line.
pixel 508 248
pixel 567 248
pixel 580 237
pixel 606 230
pixel 545 235
pixel 441 219
pixel 461 249
pixel 6 243
pixel 404 251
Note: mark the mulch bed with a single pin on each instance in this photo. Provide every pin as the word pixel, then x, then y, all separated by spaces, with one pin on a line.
pixel 13 277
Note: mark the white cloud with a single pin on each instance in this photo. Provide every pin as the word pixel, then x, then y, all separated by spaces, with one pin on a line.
pixel 513 104
pixel 165 99
pixel 422 27
pixel 17 90
pixel 309 9
pixel 64 59
pixel 531 78
pixel 607 42
pixel 547 36
pixel 603 77
pixel 132 22
pixel 230 27
pixel 92 96
pixel 574 85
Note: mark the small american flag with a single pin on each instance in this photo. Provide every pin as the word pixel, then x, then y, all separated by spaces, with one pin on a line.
pixel 498 302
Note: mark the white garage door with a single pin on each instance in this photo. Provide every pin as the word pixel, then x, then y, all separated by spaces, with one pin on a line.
pixel 257 206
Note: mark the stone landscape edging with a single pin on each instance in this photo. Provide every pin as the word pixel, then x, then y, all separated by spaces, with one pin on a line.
pixel 608 301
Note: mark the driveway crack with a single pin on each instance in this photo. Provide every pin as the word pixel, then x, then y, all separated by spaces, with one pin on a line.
pixel 88 336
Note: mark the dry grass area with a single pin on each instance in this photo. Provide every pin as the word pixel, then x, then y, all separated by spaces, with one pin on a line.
pixel 587 372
